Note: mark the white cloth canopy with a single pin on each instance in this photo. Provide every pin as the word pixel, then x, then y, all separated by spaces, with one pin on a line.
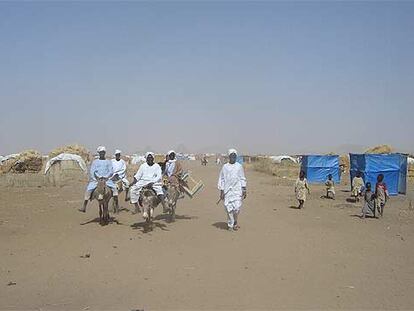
pixel 280 158
pixel 66 157
pixel 8 157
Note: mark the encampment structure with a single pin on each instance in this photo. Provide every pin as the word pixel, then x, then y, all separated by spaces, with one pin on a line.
pixel 393 166
pixel 318 167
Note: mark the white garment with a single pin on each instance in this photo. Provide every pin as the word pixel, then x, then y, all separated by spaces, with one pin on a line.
pixel 147 174
pixel 169 167
pixel 232 181
pixel 232 216
pixel 119 168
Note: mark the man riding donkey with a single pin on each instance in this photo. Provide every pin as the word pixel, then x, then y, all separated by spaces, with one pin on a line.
pixel 149 175
pixel 173 182
pixel 119 176
pixel 101 169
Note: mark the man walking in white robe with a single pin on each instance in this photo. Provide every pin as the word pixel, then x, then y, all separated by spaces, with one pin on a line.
pixel 232 186
pixel 119 168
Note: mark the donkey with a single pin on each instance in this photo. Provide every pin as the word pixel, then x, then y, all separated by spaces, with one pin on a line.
pixel 172 195
pixel 148 201
pixel 102 194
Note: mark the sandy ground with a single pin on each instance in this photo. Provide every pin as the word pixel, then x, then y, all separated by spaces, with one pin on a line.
pixel 319 257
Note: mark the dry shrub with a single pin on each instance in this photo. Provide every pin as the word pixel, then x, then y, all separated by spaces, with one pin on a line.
pixel 380 149
pixel 6 166
pixel 411 173
pixel 74 149
pixel 284 169
pixel 344 160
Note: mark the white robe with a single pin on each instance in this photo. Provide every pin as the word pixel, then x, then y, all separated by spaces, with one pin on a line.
pixel 119 168
pixel 232 181
pixel 147 174
pixel 102 168
pixel 169 167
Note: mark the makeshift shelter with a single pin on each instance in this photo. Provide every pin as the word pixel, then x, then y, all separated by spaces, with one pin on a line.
pixel 64 169
pixel 318 167
pixel 393 166
pixel 66 157
pixel 282 158
pixel 29 161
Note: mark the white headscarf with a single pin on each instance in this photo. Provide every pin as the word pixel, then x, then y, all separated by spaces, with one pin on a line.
pixel 100 149
pixel 171 151
pixel 149 153
pixel 232 151
pixel 117 151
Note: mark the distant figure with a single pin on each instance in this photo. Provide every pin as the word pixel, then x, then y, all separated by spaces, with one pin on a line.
pixel 232 186
pixel 119 167
pixel 330 188
pixel 301 188
pixel 101 168
pixel 357 186
pixel 368 209
pixel 218 160
pixel 381 194
pixel 204 160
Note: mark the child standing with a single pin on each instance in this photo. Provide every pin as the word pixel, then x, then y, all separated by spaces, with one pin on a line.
pixel 381 194
pixel 330 188
pixel 301 187
pixel 368 209
pixel 357 185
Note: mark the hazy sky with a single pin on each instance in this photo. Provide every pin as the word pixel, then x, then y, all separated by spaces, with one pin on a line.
pixel 265 77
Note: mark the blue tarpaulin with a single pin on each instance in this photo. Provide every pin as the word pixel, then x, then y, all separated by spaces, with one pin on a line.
pixel 318 167
pixel 392 166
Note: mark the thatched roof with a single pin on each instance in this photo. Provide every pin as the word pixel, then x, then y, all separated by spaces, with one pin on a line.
pixel 72 149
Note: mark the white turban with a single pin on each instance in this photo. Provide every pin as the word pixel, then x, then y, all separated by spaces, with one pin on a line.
pixel 100 149
pixel 232 151
pixel 149 153
pixel 171 151
pixel 117 151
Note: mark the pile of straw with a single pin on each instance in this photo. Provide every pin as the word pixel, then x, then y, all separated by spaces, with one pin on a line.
pixel 73 149
pixel 380 149
pixel 29 161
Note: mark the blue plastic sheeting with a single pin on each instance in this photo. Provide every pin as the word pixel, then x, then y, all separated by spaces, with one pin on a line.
pixel 318 167
pixel 392 166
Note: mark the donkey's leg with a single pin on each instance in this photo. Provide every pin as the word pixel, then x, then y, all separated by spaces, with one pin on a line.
pixel 100 213
pixel 106 212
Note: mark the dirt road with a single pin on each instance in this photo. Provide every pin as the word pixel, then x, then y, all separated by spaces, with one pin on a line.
pixel 319 257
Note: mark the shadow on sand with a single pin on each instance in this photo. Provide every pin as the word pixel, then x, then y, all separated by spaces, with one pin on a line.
pixel 359 216
pixel 166 217
pixel 351 200
pixel 294 207
pixel 146 227
pixel 220 225
pixel 112 220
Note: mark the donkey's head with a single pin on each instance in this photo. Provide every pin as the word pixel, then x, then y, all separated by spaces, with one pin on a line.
pixel 101 189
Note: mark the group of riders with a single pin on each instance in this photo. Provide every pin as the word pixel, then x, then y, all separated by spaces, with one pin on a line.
pixel 151 176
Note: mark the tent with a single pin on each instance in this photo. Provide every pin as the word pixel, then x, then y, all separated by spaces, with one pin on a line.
pixel 66 157
pixel 281 158
pixel 318 167
pixel 393 166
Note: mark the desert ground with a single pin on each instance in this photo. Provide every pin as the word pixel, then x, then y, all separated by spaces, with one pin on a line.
pixel 322 257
